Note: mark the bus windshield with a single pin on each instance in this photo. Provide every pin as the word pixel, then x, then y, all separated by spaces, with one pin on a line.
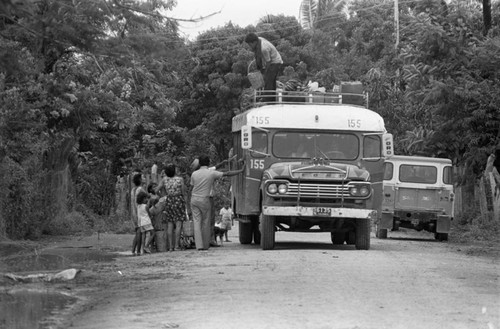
pixel 301 145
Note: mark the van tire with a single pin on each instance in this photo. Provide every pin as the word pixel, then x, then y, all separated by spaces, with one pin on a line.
pixel 363 227
pixel 246 231
pixel 382 233
pixel 441 236
pixel 268 232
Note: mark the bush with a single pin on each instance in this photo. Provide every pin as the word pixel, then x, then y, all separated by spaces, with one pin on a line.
pixel 70 223
pixel 476 230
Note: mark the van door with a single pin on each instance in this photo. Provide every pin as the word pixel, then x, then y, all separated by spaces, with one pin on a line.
pixel 418 188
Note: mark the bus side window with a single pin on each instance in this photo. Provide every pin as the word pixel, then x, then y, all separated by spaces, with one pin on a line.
pixel 371 146
pixel 259 144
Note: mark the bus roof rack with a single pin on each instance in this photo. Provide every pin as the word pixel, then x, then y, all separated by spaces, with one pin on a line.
pixel 270 97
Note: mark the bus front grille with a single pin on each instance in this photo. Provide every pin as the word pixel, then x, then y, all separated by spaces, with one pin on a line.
pixel 307 190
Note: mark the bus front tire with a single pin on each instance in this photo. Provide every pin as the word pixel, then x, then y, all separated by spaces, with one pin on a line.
pixel 268 233
pixel 350 238
pixel 363 228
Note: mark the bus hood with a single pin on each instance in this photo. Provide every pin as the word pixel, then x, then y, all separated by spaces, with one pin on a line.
pixel 317 171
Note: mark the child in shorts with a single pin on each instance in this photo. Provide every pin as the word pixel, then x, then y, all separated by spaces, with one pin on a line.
pixel 145 221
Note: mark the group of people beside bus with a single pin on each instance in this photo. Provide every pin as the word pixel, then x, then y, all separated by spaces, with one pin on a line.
pixel 167 205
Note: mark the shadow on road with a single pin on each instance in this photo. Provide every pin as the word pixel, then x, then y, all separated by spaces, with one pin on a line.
pixel 301 245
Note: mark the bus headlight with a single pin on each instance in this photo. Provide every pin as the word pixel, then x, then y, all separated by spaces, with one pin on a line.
pixel 360 190
pixel 364 191
pixel 272 188
pixel 282 189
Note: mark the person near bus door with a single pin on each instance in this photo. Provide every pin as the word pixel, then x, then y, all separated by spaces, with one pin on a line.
pixel 268 61
pixel 202 181
pixel 195 165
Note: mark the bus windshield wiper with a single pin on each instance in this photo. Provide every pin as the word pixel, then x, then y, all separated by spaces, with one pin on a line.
pixel 322 153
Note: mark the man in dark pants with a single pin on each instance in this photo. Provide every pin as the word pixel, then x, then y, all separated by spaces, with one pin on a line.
pixel 268 61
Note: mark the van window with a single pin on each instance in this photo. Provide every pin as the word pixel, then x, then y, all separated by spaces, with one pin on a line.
pixel 418 174
pixel 388 170
pixel 302 145
pixel 259 144
pixel 447 175
pixel 371 147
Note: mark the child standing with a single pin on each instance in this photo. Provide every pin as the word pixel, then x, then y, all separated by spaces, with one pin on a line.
pixel 136 244
pixel 226 216
pixel 155 219
pixel 144 221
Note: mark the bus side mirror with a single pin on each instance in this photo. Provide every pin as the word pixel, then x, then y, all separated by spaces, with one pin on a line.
pixel 246 137
pixel 387 146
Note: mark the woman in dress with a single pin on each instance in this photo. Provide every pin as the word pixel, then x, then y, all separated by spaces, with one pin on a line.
pixel 175 192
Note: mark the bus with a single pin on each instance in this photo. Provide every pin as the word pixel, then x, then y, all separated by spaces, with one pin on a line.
pixel 313 164
pixel 418 194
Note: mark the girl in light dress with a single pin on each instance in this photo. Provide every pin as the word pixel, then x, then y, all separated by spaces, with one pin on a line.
pixel 145 221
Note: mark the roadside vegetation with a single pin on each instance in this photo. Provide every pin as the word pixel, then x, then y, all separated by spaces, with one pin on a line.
pixel 90 90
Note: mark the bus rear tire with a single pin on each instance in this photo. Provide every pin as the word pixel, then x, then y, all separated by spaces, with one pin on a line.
pixel 268 233
pixel 337 237
pixel 255 229
pixel 246 232
pixel 363 227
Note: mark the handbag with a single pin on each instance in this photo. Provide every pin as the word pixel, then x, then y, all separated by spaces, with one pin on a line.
pixel 188 228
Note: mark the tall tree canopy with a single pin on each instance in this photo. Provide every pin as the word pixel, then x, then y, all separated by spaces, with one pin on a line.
pixel 89 89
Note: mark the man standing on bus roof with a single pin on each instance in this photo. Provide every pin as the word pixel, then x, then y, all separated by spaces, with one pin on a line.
pixel 202 181
pixel 267 59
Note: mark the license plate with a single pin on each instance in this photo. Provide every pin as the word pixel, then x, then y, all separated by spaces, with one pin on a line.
pixel 322 212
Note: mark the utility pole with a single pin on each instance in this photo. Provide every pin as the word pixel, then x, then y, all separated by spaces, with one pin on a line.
pixel 396 22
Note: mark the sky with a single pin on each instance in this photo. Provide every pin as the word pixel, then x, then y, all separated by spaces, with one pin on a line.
pixel 239 12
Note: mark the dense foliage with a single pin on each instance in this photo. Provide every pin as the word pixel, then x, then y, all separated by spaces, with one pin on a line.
pixel 92 89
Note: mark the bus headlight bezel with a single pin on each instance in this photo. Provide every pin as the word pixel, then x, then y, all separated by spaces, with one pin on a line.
pixel 272 188
pixel 277 188
pixel 360 190
pixel 282 188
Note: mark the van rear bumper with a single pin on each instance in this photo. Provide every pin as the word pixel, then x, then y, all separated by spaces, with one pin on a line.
pixel 319 212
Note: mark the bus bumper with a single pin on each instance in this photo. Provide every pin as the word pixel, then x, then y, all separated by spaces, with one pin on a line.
pixel 319 212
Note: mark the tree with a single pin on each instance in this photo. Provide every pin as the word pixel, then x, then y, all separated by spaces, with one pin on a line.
pixel 318 12
pixel 92 70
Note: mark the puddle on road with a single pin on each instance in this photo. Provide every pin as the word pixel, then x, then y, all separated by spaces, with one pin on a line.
pixel 27 309
pixel 22 308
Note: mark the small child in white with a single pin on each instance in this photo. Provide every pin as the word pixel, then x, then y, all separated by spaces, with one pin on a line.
pixel 145 221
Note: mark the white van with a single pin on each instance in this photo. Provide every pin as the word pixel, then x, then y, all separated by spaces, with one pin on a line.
pixel 417 194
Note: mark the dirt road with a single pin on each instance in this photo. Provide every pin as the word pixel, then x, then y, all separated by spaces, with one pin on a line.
pixel 306 282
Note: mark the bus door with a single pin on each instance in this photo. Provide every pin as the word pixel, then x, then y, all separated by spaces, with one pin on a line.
pixel 372 159
pixel 257 159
